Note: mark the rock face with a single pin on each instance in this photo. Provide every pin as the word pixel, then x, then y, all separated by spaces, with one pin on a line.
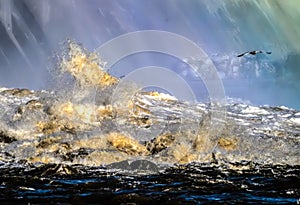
pixel 67 126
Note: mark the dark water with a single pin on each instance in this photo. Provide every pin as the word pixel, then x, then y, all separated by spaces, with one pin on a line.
pixel 184 184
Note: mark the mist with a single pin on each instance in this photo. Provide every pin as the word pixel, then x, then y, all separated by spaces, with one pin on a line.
pixel 33 31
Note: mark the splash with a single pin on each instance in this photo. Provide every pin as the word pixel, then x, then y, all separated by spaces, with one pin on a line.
pixel 68 126
pixel 85 67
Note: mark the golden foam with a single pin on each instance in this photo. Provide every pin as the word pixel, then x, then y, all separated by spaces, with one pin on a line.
pixel 86 67
pixel 127 144
pixel 228 143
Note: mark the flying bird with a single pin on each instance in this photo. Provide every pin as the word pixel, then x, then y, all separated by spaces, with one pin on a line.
pixel 253 53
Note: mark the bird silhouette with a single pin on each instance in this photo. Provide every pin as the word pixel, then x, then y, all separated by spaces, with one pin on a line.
pixel 253 53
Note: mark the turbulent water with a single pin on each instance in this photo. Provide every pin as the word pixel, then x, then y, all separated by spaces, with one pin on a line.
pixel 79 143
pixel 83 136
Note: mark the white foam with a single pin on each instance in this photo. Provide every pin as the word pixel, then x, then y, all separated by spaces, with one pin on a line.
pixel 295 120
pixel 256 110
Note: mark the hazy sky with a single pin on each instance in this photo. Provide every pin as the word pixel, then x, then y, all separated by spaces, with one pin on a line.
pixel 32 30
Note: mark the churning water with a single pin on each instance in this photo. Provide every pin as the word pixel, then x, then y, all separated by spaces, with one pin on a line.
pixel 74 144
